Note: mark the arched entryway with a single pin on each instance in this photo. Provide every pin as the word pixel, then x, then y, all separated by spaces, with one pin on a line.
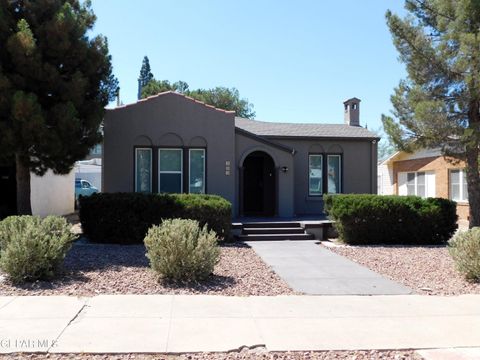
pixel 258 196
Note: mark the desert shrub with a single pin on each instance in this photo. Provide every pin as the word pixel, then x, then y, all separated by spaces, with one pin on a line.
pixel 124 218
pixel 32 248
pixel 180 250
pixel 465 251
pixel 373 219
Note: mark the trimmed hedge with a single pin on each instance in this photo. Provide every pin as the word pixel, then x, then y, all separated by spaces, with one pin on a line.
pixel 124 218
pixel 374 219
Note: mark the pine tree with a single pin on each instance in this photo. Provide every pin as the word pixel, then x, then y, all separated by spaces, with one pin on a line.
pixel 438 105
pixel 54 84
pixel 145 75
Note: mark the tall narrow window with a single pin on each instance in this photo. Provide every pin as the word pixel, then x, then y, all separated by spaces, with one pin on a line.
pixel 315 169
pixel 143 170
pixel 197 171
pixel 421 184
pixel 334 174
pixel 458 185
pixel 170 179
pixel 411 184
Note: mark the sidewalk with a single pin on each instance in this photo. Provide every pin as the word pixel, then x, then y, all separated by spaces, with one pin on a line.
pixel 310 269
pixel 176 323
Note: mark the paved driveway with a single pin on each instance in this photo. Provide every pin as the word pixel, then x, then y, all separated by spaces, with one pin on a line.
pixel 311 269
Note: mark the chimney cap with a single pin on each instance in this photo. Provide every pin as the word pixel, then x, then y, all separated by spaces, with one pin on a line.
pixel 351 100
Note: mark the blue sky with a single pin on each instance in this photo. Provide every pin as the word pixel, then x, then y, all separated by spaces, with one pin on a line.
pixel 296 61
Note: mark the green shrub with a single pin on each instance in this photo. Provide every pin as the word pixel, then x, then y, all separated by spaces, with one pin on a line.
pixel 180 250
pixel 124 218
pixel 32 248
pixel 374 219
pixel 465 251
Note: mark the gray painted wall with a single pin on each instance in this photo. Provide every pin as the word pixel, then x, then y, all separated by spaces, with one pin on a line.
pixel 359 158
pixel 169 120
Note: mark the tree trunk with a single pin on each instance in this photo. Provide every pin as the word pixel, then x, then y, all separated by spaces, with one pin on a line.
pixel 473 183
pixel 24 206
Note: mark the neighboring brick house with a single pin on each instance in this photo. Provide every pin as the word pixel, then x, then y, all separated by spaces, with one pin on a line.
pixel 425 173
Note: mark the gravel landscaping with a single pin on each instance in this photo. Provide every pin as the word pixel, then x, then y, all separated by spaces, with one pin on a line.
pixel 426 269
pixel 243 355
pixel 92 269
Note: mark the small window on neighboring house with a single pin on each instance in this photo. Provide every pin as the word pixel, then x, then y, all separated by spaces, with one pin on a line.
pixel 170 179
pixel 458 186
pixel 315 179
pixel 197 171
pixel 143 170
pixel 420 183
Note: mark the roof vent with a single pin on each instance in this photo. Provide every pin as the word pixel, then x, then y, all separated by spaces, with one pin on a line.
pixel 352 112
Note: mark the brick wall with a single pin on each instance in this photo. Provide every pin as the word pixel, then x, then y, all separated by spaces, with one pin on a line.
pixel 441 165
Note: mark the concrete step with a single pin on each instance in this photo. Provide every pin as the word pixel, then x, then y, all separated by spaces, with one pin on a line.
pixel 282 230
pixel 273 224
pixel 272 237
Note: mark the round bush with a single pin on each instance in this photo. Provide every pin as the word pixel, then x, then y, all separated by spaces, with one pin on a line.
pixel 180 250
pixel 32 248
pixel 465 251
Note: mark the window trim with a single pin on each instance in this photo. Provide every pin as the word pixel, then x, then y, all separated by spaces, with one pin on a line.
pixel 462 178
pixel 181 172
pixel 136 168
pixel 204 168
pixel 340 173
pixel 322 171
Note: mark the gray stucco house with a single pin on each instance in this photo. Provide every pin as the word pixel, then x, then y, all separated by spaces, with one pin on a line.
pixel 173 143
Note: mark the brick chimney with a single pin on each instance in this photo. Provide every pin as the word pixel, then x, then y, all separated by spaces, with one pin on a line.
pixel 352 112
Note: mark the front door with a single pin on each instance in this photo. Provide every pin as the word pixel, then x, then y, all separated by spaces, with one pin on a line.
pixel 259 185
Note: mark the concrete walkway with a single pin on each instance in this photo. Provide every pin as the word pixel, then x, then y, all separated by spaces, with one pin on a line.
pixel 180 323
pixel 311 269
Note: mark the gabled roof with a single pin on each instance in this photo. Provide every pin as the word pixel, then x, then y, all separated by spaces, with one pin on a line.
pixel 418 154
pixel 286 130
pixel 172 93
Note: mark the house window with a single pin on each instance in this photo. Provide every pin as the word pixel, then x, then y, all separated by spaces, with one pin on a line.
pixel 416 184
pixel 458 185
pixel 315 170
pixel 143 170
pixel 334 174
pixel 170 179
pixel 196 171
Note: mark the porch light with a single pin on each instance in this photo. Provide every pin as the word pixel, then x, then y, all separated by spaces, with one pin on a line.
pixel 284 169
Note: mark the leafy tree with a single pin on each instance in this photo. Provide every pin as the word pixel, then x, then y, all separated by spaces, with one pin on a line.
pixel 225 98
pixel 54 84
pixel 145 74
pixel 438 105
pixel 220 97
pixel 155 87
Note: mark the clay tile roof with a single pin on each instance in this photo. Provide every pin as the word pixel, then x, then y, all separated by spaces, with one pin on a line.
pixel 271 129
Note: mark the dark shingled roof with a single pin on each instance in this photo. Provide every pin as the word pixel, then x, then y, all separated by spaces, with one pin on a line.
pixel 271 129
